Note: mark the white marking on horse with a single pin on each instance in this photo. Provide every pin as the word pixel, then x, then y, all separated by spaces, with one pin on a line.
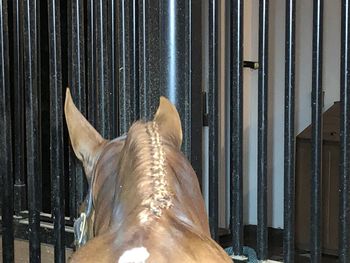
pixel 134 255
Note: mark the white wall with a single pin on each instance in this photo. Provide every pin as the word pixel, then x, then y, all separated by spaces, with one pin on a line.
pixel 331 79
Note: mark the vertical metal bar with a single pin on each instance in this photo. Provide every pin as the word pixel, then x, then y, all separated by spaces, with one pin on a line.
pixel 195 82
pixel 114 58
pixel 5 140
pixel 91 63
pixel 344 179
pixel 236 123
pixel 175 70
pixel 149 56
pixel 32 125
pixel 316 126
pixel 134 54
pixel 77 85
pixel 124 95
pixel 289 141
pixel 128 64
pixel 56 130
pixel 77 42
pixel 103 94
pixel 19 131
pixel 44 102
pixel 213 117
pixel 262 238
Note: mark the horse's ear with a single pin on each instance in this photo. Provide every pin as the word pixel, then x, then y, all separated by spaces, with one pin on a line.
pixel 168 120
pixel 85 140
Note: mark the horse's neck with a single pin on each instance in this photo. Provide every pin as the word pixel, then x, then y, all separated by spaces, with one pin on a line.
pixel 187 208
pixel 122 201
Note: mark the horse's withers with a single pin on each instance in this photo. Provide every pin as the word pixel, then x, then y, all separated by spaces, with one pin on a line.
pixel 146 198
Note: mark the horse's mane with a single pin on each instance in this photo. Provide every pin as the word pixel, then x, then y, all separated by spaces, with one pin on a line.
pixel 144 148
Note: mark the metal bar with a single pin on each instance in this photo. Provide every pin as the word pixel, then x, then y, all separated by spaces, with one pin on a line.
pixel 5 140
pixel 175 60
pixel 56 130
pixel 103 94
pixel 72 162
pixel 91 63
pixel 195 82
pixel 236 124
pixel 344 179
pixel 213 116
pixel 134 55
pixel 128 64
pixel 77 84
pixel 289 141
pixel 124 96
pixel 114 55
pixel 149 55
pixel 316 126
pixel 32 89
pixel 262 234
pixel 19 130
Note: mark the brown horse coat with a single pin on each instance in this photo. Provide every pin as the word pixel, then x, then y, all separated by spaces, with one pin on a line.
pixel 147 201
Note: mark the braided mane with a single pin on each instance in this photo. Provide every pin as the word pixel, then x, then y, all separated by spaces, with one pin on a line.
pixel 151 169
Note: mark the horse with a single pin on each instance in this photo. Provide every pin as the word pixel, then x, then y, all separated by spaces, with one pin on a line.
pixel 144 202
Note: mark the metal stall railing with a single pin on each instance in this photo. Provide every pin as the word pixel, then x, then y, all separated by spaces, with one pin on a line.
pixel 262 238
pixel 56 130
pixel 32 82
pixel 289 133
pixel 317 93
pixel 344 180
pixel 236 124
pixel 118 57
pixel 289 140
pixel 5 138
pixel 213 116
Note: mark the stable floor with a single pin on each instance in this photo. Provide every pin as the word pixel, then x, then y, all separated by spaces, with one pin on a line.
pixel 275 246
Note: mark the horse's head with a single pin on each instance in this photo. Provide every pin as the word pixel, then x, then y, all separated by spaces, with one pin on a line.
pixel 144 199
pixel 89 147
pixel 87 143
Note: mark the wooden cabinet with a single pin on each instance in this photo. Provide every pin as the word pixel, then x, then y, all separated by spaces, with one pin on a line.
pixel 330 183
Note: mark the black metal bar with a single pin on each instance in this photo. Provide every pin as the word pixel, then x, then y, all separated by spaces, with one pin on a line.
pixel 134 55
pixel 124 95
pixel 213 116
pixel 236 124
pixel 195 78
pixel 149 56
pixel 19 131
pixel 316 124
pixel 91 63
pixel 103 95
pixel 289 140
pixel 175 60
pixel 344 176
pixel 77 84
pixel 32 89
pixel 114 58
pixel 56 130
pixel 128 64
pixel 262 238
pixel 5 140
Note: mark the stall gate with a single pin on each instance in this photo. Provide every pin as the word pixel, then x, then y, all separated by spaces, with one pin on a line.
pixel 118 57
